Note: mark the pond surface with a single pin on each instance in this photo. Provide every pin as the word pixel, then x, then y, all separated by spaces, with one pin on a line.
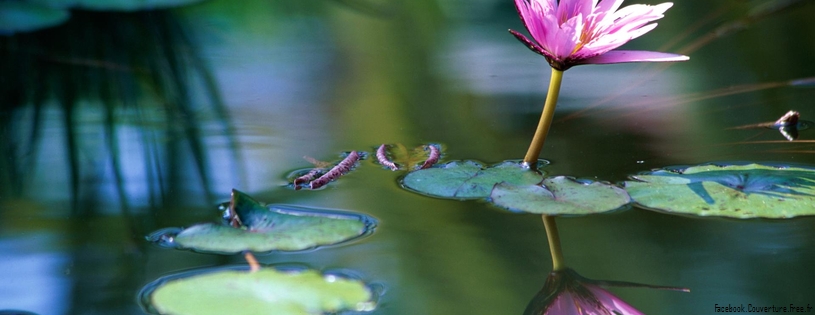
pixel 117 124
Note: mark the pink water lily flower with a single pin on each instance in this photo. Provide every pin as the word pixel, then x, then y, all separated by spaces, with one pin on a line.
pixel 575 32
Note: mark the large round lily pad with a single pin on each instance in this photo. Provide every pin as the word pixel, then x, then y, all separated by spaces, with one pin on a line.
pixel 737 191
pixel 468 179
pixel 267 291
pixel 264 228
pixel 560 196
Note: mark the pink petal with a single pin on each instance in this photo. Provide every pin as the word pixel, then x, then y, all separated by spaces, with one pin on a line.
pixel 537 16
pixel 567 37
pixel 641 31
pixel 564 304
pixel 637 15
pixel 623 56
pixel 604 14
pixel 528 17
pixel 608 6
pixel 530 44
pixel 571 8
pixel 609 42
pixel 612 302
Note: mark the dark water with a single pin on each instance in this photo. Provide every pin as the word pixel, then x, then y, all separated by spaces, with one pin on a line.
pixel 117 124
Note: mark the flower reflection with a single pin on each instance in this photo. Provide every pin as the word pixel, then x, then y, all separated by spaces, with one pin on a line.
pixel 574 32
pixel 568 293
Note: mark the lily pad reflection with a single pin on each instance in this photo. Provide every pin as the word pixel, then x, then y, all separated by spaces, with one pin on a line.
pixel 24 16
pixel 266 228
pixel 560 196
pixel 738 191
pixel 267 291
pixel 468 179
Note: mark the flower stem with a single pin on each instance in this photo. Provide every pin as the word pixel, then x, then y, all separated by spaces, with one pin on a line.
pixel 548 113
pixel 558 264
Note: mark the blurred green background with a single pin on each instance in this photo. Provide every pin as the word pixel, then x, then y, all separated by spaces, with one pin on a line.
pixel 119 121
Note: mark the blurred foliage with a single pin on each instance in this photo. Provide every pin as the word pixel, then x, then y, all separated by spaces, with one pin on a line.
pixel 128 69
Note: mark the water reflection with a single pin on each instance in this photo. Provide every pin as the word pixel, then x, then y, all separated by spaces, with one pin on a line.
pixel 25 270
pixel 568 293
pixel 124 97
pixel 117 113
pixel 788 125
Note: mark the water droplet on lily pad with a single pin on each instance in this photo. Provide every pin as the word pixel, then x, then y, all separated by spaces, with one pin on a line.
pixel 264 228
pixel 266 291
pixel 468 179
pixel 560 196
pixel 737 191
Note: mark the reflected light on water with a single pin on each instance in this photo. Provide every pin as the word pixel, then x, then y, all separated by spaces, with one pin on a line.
pixel 33 276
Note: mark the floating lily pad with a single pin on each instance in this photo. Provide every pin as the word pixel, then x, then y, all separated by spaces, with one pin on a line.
pixel 738 191
pixel 24 16
pixel 468 179
pixel 560 196
pixel 264 228
pixel 267 291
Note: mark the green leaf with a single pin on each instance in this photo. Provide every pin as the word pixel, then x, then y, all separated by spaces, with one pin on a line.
pixel 560 196
pixel 467 179
pixel 24 16
pixel 266 228
pixel 266 291
pixel 737 191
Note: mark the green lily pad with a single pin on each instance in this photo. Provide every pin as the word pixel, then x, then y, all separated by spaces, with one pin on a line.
pixel 264 228
pixel 24 16
pixel 267 291
pixel 737 191
pixel 468 179
pixel 560 196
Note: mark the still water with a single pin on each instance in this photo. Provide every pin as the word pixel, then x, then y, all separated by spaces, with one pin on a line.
pixel 116 124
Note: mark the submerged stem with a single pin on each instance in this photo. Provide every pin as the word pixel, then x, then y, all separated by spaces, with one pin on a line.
pixel 252 261
pixel 535 147
pixel 558 264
